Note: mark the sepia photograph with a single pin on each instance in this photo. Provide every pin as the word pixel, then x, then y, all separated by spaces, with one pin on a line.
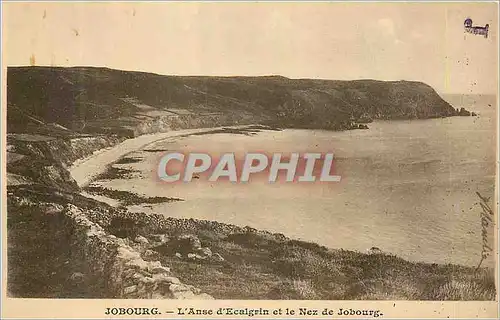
pixel 270 151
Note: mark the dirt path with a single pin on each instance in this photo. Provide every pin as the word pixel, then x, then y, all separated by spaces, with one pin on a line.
pixel 84 170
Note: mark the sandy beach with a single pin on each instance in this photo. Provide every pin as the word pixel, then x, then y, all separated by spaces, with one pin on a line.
pixel 83 171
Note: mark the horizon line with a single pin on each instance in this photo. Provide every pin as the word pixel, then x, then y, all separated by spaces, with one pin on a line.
pixel 243 76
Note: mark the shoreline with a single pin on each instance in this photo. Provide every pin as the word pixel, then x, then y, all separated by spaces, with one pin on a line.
pixel 85 170
pixel 142 208
pixel 79 168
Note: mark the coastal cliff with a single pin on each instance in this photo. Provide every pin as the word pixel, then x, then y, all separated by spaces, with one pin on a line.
pixel 101 100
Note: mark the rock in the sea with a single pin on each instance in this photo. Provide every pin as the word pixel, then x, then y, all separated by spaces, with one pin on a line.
pixel 463 112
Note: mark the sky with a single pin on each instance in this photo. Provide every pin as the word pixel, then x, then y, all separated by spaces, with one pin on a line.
pixel 386 41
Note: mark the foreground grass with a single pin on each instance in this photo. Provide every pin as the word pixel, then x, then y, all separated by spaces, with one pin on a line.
pixel 259 267
pixel 257 264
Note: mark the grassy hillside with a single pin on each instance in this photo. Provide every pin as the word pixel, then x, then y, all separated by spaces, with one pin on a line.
pixel 85 99
pixel 225 261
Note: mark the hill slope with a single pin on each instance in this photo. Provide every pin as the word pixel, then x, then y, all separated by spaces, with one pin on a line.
pixel 94 100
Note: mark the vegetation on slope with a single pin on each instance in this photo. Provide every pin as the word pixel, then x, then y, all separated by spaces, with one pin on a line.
pixel 254 265
pixel 85 99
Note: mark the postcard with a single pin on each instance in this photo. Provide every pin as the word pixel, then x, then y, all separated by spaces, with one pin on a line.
pixel 235 160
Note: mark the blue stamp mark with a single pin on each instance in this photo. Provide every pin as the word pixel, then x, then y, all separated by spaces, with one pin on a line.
pixel 469 28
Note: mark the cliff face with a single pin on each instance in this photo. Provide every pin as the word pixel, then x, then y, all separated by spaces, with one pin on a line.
pixel 100 100
pixel 41 159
